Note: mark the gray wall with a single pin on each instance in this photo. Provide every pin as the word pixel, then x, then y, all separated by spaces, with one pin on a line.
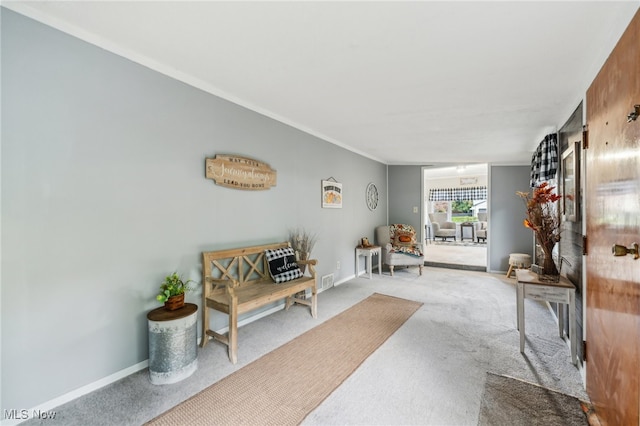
pixel 506 213
pixel 405 193
pixel 103 194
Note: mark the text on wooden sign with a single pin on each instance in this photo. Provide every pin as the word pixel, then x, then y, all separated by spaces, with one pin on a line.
pixel 240 173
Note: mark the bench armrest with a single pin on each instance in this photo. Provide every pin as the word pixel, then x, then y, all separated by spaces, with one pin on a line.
pixel 311 263
pixel 220 282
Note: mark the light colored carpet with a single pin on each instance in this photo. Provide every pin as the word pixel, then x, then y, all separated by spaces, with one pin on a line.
pixel 506 400
pixel 431 371
pixel 283 386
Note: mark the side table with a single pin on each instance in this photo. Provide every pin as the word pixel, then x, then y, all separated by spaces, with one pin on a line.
pixel 467 225
pixel 173 346
pixel 562 293
pixel 368 252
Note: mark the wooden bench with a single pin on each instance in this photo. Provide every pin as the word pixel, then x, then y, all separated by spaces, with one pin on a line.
pixel 236 281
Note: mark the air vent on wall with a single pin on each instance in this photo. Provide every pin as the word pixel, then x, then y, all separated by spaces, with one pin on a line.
pixel 327 281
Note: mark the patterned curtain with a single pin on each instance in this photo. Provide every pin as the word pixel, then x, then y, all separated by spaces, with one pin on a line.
pixel 544 162
pixel 453 194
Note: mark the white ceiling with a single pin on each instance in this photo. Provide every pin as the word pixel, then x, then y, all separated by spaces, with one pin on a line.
pixel 399 82
pixel 442 172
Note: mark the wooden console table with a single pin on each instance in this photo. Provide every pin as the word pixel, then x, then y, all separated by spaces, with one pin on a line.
pixel 563 293
pixel 368 252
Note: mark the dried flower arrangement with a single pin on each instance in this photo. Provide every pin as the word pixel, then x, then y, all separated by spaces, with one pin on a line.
pixel 544 220
pixel 302 242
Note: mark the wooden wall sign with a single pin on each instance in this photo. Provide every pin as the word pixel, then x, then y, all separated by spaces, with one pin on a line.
pixel 240 173
pixel 468 180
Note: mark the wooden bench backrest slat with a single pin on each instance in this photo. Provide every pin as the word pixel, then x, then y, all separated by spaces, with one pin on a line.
pixel 245 265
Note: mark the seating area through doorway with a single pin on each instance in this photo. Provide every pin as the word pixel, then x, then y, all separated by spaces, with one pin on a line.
pixel 456 221
pixel 473 258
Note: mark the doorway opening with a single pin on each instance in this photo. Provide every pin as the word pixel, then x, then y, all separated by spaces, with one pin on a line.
pixel 456 216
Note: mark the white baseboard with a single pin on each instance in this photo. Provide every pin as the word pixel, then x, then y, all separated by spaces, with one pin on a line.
pixel 50 405
pixel 344 280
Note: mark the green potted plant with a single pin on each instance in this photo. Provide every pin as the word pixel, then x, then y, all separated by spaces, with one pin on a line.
pixel 172 291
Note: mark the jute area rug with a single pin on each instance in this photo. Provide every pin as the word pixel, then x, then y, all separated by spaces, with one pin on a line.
pixel 509 401
pixel 285 385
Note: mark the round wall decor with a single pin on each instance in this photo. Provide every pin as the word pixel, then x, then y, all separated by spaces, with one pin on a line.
pixel 372 196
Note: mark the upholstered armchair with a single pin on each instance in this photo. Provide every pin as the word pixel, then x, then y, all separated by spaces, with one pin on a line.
pixel 481 231
pixel 481 227
pixel 442 228
pixel 392 254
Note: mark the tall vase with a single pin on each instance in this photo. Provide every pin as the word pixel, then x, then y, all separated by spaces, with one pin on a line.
pixel 303 268
pixel 302 256
pixel 548 270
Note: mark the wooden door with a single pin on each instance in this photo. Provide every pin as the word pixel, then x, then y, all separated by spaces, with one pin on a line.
pixel 612 197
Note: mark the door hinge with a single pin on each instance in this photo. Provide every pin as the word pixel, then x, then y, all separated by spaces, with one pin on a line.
pixel 584 350
pixel 585 137
pixel 584 245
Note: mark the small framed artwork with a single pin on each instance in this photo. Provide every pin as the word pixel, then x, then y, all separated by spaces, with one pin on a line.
pixel 331 194
pixel 571 182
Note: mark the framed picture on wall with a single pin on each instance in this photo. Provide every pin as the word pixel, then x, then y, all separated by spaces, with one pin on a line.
pixel 331 194
pixel 571 182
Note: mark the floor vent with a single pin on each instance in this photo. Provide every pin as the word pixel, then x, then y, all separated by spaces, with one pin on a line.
pixel 327 281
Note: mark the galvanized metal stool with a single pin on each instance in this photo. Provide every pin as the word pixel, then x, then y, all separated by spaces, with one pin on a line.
pixel 173 346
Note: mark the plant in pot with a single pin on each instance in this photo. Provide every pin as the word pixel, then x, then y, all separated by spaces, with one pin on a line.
pixel 172 291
